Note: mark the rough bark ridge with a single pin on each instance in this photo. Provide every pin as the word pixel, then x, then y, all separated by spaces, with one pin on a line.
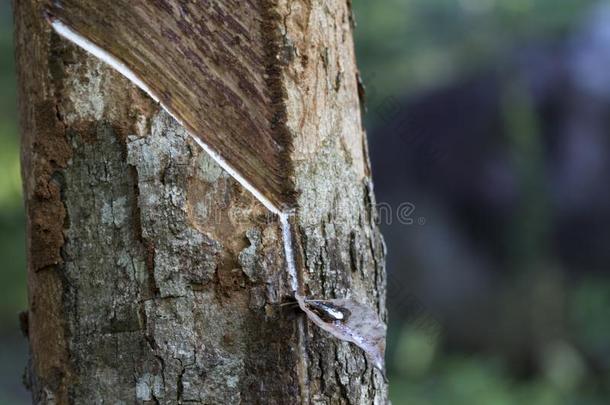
pixel 153 276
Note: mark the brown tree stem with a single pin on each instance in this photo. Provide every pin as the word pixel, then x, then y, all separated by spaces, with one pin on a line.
pixel 155 277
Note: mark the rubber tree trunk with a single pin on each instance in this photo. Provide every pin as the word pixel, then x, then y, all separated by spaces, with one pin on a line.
pixel 154 277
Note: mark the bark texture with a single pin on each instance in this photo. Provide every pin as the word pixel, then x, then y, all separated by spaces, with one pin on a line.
pixel 153 276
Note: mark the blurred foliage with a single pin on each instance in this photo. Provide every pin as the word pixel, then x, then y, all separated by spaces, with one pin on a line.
pixel 531 226
pixel 588 318
pixel 405 46
pixel 12 238
pixel 12 228
pixel 421 373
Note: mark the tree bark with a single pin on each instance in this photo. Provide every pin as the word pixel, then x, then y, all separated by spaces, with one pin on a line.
pixel 154 277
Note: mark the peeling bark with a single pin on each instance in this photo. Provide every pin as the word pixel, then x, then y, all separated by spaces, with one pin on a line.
pixel 154 277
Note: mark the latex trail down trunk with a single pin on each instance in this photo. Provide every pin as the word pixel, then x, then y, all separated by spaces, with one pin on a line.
pixel 119 66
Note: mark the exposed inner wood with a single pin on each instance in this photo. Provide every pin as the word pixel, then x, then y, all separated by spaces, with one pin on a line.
pixel 212 67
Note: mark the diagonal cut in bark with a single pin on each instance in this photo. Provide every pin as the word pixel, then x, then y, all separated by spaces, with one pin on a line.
pixel 193 60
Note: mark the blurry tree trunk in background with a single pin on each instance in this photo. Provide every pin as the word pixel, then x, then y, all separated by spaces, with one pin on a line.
pixel 153 276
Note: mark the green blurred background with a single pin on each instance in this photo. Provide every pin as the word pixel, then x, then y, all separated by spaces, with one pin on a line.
pixel 531 325
pixel 12 220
